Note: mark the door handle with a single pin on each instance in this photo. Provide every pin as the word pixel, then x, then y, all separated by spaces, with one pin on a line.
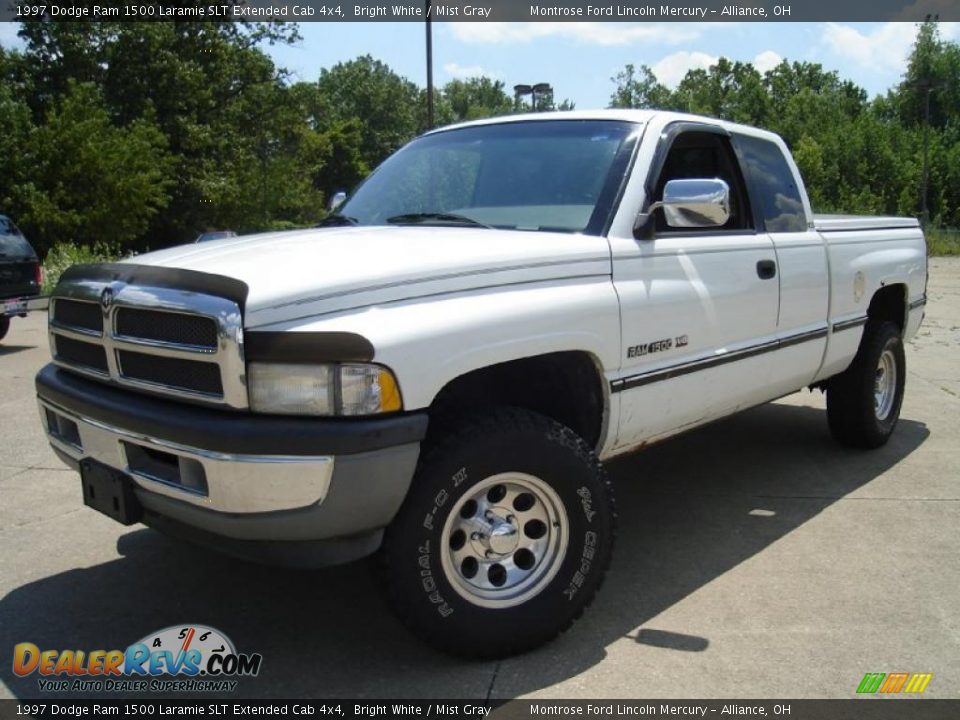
pixel 766 269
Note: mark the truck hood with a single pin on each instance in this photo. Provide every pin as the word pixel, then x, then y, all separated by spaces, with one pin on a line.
pixel 305 273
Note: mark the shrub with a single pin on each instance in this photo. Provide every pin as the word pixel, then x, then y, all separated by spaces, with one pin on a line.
pixel 64 254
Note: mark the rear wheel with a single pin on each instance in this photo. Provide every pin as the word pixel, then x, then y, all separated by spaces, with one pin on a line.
pixel 863 402
pixel 4 326
pixel 504 537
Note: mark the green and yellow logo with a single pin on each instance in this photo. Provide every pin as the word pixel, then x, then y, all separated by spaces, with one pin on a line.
pixel 892 683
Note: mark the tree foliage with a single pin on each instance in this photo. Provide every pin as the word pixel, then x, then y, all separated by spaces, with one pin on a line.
pixel 141 135
pixel 856 155
pixel 385 103
pixel 477 97
pixel 638 89
pixel 90 180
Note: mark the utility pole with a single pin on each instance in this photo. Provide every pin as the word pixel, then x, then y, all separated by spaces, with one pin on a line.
pixel 927 86
pixel 924 211
pixel 429 68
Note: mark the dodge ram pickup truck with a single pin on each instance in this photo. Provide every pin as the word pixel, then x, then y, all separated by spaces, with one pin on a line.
pixel 437 373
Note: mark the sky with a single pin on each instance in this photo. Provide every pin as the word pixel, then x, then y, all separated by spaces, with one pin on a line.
pixel 579 58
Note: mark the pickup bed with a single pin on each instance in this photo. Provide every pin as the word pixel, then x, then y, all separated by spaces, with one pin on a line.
pixel 439 371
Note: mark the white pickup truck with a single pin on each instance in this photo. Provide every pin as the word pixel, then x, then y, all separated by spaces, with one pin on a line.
pixel 438 372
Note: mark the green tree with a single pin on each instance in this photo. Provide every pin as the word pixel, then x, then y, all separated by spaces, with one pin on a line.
pixel 342 165
pixel 205 85
pixel 16 125
pixel 477 97
pixel 91 181
pixel 638 88
pixel 385 104
pixel 933 67
pixel 729 90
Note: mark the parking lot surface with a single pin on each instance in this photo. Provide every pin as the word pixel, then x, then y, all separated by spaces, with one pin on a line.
pixel 755 558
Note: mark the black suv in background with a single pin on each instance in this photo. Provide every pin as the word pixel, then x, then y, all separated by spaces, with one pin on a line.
pixel 20 273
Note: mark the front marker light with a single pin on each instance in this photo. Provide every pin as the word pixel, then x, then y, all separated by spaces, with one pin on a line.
pixel 290 389
pixel 366 390
pixel 349 389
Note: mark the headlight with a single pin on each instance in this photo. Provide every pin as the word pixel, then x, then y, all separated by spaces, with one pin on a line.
pixel 349 389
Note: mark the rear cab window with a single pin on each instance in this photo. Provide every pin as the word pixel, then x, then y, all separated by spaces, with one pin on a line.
pixel 772 185
pixel 12 241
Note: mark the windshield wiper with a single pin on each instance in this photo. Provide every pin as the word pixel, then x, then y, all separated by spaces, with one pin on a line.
pixel 425 217
pixel 338 219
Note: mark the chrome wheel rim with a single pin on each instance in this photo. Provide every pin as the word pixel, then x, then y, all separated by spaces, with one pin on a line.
pixel 885 385
pixel 504 540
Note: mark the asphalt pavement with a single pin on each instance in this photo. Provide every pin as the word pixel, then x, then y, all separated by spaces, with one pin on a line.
pixel 755 558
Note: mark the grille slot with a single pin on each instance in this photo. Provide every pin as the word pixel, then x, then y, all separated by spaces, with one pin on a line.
pixel 78 314
pixel 192 375
pixel 186 473
pixel 85 354
pixel 176 328
pixel 63 429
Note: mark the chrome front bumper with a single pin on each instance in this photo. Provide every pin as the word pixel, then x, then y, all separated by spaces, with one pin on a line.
pixel 223 482
pixel 283 490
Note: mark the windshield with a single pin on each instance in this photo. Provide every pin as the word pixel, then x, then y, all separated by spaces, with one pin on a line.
pixel 540 175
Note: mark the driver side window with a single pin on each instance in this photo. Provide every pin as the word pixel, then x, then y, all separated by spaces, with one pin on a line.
pixel 705 155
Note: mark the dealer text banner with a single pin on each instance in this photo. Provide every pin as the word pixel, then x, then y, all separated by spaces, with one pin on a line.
pixel 484 10
pixel 490 709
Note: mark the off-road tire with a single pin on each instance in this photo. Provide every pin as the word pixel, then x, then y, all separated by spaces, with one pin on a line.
pixel 4 327
pixel 852 405
pixel 424 592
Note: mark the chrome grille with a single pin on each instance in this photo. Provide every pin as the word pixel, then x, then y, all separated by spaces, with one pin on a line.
pixel 160 340
pixel 176 328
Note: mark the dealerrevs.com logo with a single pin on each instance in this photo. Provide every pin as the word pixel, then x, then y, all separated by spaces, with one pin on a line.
pixel 180 658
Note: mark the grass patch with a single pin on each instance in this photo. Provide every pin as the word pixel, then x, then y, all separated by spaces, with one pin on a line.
pixel 943 242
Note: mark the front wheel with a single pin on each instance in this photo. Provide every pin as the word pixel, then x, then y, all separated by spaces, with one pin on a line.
pixel 4 326
pixel 504 537
pixel 863 402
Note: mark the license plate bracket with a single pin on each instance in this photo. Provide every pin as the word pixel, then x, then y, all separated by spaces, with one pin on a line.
pixel 109 491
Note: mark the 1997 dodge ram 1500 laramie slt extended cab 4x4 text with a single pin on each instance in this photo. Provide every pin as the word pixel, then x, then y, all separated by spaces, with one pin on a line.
pixel 438 371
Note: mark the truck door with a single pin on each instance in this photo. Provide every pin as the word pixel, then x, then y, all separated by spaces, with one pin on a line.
pixel 802 270
pixel 698 308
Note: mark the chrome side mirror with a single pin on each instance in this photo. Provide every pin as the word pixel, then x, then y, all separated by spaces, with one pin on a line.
pixel 336 200
pixel 695 203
